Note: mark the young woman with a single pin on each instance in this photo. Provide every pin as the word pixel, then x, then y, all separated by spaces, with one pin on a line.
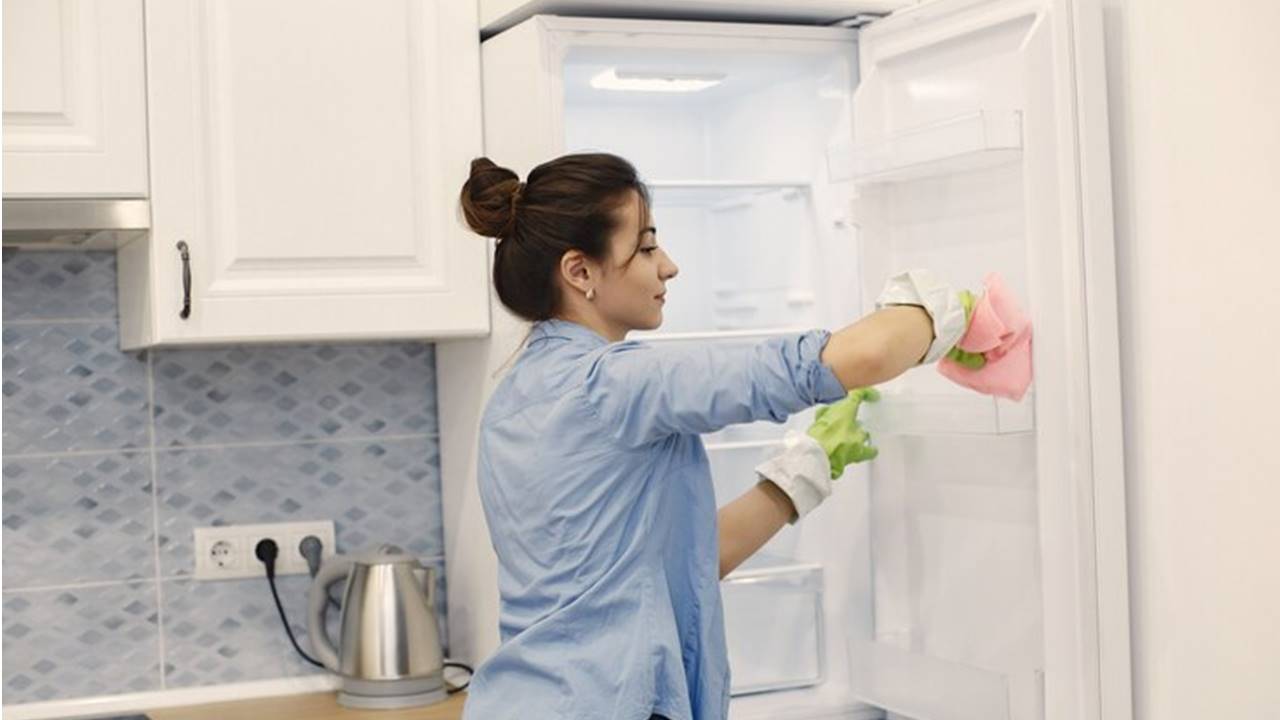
pixel 594 481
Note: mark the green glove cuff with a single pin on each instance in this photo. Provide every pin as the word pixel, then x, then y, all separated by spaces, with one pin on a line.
pixel 973 361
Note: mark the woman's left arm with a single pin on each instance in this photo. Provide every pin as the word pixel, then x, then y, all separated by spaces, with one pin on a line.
pixel 748 522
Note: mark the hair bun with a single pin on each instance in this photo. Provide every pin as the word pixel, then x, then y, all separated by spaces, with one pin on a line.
pixel 489 198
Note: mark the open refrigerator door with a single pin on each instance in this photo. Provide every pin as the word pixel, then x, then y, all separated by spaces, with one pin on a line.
pixel 940 581
pixel 967 159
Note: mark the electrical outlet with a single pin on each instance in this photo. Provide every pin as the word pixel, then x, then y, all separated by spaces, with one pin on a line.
pixel 227 551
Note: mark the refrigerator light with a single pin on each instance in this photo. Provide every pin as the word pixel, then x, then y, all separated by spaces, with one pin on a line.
pixel 615 79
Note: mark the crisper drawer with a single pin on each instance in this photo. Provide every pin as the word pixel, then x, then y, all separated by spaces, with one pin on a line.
pixel 774 625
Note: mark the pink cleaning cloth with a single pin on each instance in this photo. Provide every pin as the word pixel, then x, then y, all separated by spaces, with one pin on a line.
pixel 1002 333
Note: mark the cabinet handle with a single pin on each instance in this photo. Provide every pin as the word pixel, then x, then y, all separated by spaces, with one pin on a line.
pixel 186 279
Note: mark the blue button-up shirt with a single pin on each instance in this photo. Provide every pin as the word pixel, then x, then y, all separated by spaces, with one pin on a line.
pixel 599 500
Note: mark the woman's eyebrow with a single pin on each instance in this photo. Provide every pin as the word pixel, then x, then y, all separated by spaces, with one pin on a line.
pixel 650 229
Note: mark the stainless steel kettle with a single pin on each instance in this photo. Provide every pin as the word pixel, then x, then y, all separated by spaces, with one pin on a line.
pixel 388 652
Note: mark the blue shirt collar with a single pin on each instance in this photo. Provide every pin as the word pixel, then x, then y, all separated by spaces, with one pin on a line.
pixel 572 331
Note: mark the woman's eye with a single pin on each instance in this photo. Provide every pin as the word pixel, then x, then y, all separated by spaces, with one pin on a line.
pixel 649 250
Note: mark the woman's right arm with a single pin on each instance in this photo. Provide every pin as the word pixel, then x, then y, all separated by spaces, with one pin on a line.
pixel 644 394
pixel 879 347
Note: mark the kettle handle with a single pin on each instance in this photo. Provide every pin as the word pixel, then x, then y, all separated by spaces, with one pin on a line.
pixel 426 577
pixel 334 570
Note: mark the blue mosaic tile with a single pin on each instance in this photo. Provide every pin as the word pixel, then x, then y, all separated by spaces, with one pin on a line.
pixel 81 642
pixel 230 631
pixel 294 393
pixel 51 285
pixel 73 518
pixel 374 492
pixel 77 518
pixel 69 387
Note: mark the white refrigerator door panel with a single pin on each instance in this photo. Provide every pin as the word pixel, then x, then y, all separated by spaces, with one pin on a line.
pixel 970 155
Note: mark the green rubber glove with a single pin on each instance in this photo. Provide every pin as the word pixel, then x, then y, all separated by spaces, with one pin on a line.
pixel 973 361
pixel 837 430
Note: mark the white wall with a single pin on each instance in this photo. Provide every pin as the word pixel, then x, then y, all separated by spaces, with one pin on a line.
pixel 1195 119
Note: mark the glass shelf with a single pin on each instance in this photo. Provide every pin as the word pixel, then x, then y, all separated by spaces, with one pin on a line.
pixel 976 141
pixel 741 336
pixel 741 183
pixel 948 414
pixel 788 650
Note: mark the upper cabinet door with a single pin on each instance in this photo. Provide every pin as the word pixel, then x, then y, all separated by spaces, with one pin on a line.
pixel 309 155
pixel 74 99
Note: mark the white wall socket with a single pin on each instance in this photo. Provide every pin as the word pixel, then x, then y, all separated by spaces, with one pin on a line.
pixel 227 551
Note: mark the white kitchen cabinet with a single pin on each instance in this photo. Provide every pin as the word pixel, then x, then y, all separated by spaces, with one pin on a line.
pixel 74 99
pixel 308 157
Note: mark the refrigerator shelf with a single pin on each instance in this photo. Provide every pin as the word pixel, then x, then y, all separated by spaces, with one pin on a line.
pixel 724 195
pixel 734 184
pixel 731 335
pixel 930 688
pixel 765 568
pixel 950 414
pixel 977 141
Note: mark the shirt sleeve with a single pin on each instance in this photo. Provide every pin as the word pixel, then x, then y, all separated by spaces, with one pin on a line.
pixel 643 393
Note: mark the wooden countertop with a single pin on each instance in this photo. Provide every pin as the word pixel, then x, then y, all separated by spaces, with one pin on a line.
pixel 311 706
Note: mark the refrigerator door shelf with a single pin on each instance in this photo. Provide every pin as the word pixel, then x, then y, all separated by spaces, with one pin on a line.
pixel 966 413
pixel 788 650
pixel 891 677
pixel 965 143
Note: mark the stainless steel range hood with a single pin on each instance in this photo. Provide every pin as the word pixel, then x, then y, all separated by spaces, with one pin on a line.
pixel 94 223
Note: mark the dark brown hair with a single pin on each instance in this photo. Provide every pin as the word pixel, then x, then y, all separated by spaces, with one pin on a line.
pixel 568 203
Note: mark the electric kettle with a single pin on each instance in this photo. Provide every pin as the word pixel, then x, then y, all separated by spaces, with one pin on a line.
pixel 388 652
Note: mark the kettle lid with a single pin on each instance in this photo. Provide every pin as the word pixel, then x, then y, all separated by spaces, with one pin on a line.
pixel 385 554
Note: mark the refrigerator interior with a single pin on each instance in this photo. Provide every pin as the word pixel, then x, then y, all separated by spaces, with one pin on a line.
pixel 922 570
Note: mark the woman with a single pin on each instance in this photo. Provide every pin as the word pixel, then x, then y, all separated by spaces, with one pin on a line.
pixel 594 481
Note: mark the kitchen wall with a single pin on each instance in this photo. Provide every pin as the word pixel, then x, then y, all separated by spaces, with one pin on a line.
pixel 111 458
pixel 1195 123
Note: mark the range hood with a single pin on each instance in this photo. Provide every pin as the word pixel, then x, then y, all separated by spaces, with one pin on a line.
pixel 93 223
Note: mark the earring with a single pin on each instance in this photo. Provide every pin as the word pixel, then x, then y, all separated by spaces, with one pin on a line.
pixel 591 294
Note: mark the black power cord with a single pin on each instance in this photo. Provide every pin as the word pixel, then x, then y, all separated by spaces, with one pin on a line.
pixel 451 689
pixel 267 551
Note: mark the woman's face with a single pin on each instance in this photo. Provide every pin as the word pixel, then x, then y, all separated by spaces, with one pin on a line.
pixel 632 290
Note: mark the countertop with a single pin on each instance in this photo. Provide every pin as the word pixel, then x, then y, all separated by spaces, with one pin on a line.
pixel 311 706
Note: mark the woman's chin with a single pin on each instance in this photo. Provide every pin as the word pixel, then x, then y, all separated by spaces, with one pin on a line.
pixel 655 322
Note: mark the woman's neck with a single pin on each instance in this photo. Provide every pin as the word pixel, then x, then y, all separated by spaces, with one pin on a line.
pixel 593 321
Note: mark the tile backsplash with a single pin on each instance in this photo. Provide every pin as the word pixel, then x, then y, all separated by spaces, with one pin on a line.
pixel 112 458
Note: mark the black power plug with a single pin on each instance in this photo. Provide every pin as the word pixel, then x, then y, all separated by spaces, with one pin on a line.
pixel 267 551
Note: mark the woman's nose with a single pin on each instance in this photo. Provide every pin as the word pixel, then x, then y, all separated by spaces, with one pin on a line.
pixel 668 269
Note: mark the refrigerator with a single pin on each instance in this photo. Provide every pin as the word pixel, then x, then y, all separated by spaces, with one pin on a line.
pixel 975 570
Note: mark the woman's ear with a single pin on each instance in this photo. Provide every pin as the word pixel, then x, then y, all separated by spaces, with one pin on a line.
pixel 576 270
